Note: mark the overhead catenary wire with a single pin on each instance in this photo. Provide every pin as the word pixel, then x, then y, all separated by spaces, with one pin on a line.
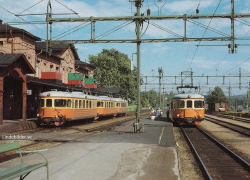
pixel 165 29
pixel 30 7
pixel 208 28
pixel 20 18
pixel 204 34
pixel 67 8
pixel 70 31
pixel 113 30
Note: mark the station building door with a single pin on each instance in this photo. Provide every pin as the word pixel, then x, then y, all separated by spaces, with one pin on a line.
pixel 13 86
pixel 12 98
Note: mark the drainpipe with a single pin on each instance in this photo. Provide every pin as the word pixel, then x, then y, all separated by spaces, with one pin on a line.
pixel 12 49
pixel 36 62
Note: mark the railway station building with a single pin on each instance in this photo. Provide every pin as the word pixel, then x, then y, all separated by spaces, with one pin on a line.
pixel 26 69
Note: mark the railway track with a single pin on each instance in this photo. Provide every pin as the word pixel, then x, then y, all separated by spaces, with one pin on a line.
pixel 237 128
pixel 215 160
pixel 236 117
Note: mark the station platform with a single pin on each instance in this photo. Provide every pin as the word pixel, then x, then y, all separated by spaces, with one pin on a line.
pixel 112 155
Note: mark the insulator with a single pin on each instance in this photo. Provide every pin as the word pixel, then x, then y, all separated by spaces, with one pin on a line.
pixel 236 45
pixel 197 11
pixel 148 12
pixel 229 46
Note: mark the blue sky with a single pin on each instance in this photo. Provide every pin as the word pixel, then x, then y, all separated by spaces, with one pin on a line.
pixel 173 58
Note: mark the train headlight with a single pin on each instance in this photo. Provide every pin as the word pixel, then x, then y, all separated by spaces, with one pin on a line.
pixel 178 115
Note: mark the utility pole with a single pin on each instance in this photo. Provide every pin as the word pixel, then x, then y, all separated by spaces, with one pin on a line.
pixel 160 70
pixel 138 125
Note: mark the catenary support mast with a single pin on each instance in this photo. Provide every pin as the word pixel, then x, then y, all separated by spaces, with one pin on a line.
pixel 138 125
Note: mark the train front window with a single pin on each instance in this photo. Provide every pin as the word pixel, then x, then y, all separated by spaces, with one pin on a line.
pixel 41 102
pixel 189 104
pixel 60 103
pixel 48 102
pixel 181 104
pixel 198 104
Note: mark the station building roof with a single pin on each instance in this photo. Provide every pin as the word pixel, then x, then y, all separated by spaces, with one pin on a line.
pixel 6 28
pixel 9 59
pixel 58 48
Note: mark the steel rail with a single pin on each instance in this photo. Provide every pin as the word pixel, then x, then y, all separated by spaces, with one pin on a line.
pixel 223 123
pixel 197 157
pixel 240 160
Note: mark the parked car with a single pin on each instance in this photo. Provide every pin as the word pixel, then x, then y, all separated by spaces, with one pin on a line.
pixel 239 108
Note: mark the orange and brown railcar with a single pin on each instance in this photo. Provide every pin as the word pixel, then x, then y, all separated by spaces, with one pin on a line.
pixel 188 109
pixel 58 107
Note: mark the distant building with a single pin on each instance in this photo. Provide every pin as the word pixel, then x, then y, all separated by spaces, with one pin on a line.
pixel 218 106
pixel 26 69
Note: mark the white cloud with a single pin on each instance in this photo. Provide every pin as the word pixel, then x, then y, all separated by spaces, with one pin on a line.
pixel 204 63
pixel 187 6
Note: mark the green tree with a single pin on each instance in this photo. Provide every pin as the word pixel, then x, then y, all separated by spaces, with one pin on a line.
pixel 216 95
pixel 113 70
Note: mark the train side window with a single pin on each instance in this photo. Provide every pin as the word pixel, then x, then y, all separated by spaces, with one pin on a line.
pixel 68 103
pixel 48 102
pixel 60 102
pixel 198 104
pixel 76 103
pixel 90 104
pixel 87 104
pixel 41 102
pixel 98 104
pixel 80 103
pixel 83 104
pixel 189 104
